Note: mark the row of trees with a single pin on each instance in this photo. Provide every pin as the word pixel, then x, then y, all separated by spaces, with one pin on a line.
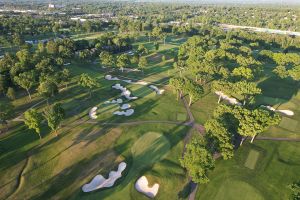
pixel 186 86
pixel 52 114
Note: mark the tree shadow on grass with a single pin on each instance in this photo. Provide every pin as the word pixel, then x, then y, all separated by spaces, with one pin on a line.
pixel 280 89
pixel 140 165
pixel 76 173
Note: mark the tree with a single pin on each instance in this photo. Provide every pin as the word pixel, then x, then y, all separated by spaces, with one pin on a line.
pixel 222 86
pixel 222 138
pixel 11 94
pixel 281 71
pixel 178 85
pixel 194 90
pixel 142 49
pixel 156 45
pixel 247 90
pixel 106 59
pixel 295 188
pixel 52 47
pixel 47 89
pixel 243 73
pixel 33 120
pixel 54 116
pixel 3 84
pixel 253 122
pixel 6 112
pixel 88 82
pixel 197 160
pixel 87 26
pixel 143 63
pixel 26 80
pixel 295 73
pixel 122 61
pixel 65 76
pixel 180 65
pixel 156 32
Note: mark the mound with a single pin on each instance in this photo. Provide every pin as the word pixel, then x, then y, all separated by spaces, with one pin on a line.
pixel 150 148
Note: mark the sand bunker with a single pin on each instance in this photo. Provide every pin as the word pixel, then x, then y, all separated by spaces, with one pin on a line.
pixel 285 112
pixel 115 101
pixel 93 113
pixel 100 182
pixel 125 106
pixel 110 78
pixel 130 70
pixel 232 101
pixel 158 91
pixel 126 113
pixel 141 185
pixel 125 92
pixel 144 83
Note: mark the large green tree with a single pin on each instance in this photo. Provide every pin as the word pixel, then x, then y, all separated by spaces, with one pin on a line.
pixel 26 80
pixel 33 120
pixel 88 82
pixel 197 160
pixel 54 115
pixel 6 112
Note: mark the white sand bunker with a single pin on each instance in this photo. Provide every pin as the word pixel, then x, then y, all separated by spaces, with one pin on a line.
pixel 144 83
pixel 126 113
pixel 110 78
pixel 130 70
pixel 100 182
pixel 125 106
pixel 93 113
pixel 158 91
pixel 125 92
pixel 141 185
pixel 232 101
pixel 115 101
pixel 285 112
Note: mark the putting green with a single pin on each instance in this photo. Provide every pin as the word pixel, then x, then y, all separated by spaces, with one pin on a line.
pixel 252 159
pixel 233 189
pixel 150 148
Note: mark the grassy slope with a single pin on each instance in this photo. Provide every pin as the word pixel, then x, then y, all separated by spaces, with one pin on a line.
pixel 161 167
pixel 277 166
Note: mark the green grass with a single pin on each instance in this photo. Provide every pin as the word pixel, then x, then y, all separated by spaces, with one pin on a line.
pixel 181 116
pixel 289 124
pixel 239 190
pixel 252 159
pixel 149 148
pixel 277 166
pixel 152 151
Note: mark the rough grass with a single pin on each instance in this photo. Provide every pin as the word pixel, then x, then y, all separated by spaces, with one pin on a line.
pixel 150 148
pixel 289 124
pixel 252 159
